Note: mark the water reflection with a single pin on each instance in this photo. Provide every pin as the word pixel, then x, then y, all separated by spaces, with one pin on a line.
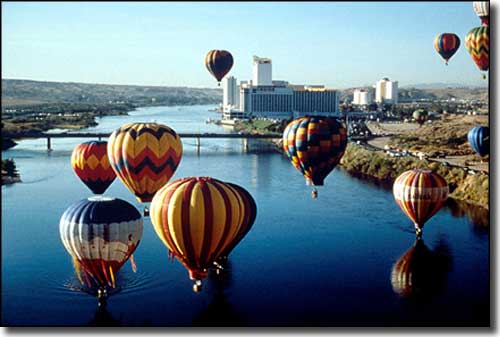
pixel 420 272
pixel 103 318
pixel 219 312
pixel 479 217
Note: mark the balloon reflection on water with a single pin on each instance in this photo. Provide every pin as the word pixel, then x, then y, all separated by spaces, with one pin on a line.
pixel 101 234
pixel 421 272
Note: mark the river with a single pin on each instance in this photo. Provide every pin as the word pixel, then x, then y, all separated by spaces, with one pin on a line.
pixel 306 262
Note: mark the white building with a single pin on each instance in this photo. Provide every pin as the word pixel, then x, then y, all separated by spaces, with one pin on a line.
pixel 262 71
pixel 362 97
pixel 386 91
pixel 231 93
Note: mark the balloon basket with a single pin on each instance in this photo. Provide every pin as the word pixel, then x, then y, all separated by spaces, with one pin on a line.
pixel 197 286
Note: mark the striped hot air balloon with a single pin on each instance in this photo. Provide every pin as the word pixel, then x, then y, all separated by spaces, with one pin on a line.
pixel 446 45
pixel 482 9
pixel 479 139
pixel 198 219
pixel 100 234
pixel 144 156
pixel 219 63
pixel 420 194
pixel 91 164
pixel 315 146
pixel 477 43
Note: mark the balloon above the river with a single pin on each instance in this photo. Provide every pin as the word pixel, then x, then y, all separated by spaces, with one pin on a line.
pixel 100 234
pixel 315 146
pixel 219 63
pixel 420 194
pixel 199 219
pixel 91 164
pixel 479 139
pixel 144 156
pixel 477 43
pixel 446 45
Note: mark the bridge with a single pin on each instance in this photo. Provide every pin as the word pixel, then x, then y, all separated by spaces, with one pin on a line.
pixel 99 136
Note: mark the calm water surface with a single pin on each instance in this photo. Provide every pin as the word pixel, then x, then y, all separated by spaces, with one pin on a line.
pixel 323 262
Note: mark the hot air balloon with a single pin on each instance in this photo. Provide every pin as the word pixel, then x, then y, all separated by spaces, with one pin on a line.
pixel 446 45
pixel 477 43
pixel 420 271
pixel 420 194
pixel 199 218
pixel 420 116
pixel 144 156
pixel 219 63
pixel 91 164
pixel 479 139
pixel 315 146
pixel 482 9
pixel 100 234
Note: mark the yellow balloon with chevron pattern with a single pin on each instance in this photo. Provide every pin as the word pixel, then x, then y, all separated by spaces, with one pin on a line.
pixel 477 43
pixel 144 156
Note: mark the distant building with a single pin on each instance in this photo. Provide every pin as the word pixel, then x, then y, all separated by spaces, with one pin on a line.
pixel 386 91
pixel 231 93
pixel 362 97
pixel 262 71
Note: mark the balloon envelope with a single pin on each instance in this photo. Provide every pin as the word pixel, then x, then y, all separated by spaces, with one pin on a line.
pixel 144 156
pixel 91 164
pixel 420 194
pixel 100 234
pixel 477 43
pixel 420 116
pixel 446 45
pixel 482 9
pixel 198 218
pixel 479 139
pixel 219 63
pixel 315 146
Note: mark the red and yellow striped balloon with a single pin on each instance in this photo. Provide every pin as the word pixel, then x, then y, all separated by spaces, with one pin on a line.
pixel 198 219
pixel 91 164
pixel 144 157
pixel 477 43
pixel 420 194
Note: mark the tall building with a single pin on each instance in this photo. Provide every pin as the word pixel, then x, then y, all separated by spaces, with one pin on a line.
pixel 262 71
pixel 362 97
pixel 231 93
pixel 386 91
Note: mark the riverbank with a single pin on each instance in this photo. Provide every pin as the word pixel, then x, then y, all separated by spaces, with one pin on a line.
pixel 361 162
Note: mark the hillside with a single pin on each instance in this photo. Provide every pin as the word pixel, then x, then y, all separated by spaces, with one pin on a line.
pixel 29 93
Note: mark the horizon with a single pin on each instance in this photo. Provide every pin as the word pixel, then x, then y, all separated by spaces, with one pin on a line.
pixel 164 44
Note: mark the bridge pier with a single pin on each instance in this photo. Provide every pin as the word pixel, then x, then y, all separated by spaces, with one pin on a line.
pixel 198 145
pixel 49 145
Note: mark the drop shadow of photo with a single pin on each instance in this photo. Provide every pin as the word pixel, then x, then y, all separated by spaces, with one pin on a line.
pixel 421 273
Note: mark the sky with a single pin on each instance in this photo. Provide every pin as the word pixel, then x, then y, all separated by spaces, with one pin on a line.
pixel 337 44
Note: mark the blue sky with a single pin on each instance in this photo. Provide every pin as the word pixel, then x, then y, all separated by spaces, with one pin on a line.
pixel 338 44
